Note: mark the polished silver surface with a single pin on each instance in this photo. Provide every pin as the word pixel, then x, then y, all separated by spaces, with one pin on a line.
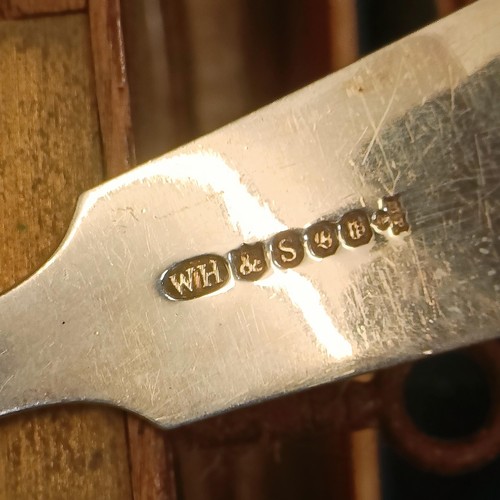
pixel 420 118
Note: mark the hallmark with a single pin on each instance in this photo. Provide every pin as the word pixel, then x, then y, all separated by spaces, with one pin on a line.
pixel 249 261
pixel 287 249
pixel 206 274
pixel 194 278
pixel 397 215
pixel 390 216
pixel 355 229
pixel 322 239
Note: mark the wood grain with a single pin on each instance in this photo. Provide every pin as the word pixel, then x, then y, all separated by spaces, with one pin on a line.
pixel 150 457
pixel 344 36
pixel 447 7
pixel 49 153
pixel 111 85
pixel 365 465
pixel 16 9
pixel 70 452
pixel 152 465
pixel 159 70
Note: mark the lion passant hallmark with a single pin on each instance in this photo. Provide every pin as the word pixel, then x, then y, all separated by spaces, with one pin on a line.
pixel 206 274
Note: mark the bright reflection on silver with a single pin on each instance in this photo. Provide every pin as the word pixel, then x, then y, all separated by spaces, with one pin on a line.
pixel 254 219
pixel 248 215
pixel 307 298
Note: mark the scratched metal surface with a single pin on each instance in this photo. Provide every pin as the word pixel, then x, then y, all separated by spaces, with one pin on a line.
pixel 420 118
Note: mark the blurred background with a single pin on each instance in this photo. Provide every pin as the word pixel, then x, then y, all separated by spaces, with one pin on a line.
pixel 195 65
pixel 151 75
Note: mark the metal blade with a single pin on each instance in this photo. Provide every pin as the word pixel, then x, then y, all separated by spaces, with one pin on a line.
pixel 419 119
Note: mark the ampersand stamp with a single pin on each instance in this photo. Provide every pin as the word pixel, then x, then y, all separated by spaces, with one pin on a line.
pixel 249 261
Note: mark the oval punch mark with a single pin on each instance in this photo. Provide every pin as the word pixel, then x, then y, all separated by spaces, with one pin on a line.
pixel 196 277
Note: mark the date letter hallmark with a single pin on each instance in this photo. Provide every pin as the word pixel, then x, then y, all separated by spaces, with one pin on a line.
pixel 355 229
pixel 194 278
pixel 249 261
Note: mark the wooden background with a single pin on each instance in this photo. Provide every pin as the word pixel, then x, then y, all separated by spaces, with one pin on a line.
pixel 87 88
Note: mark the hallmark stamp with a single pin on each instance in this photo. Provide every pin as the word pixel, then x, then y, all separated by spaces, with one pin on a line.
pixel 355 229
pixel 381 220
pixel 322 239
pixel 287 249
pixel 206 274
pixel 194 278
pixel 397 215
pixel 391 215
pixel 249 261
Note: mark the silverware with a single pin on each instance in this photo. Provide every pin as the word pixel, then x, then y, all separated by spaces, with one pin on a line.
pixel 349 226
